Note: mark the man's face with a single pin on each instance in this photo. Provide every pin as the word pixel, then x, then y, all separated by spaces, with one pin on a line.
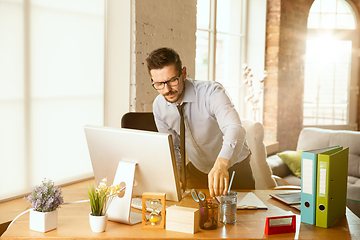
pixel 172 94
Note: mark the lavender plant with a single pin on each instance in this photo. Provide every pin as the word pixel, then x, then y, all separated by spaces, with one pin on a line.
pixel 45 197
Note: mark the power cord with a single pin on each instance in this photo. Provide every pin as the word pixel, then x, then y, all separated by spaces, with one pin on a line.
pixel 81 201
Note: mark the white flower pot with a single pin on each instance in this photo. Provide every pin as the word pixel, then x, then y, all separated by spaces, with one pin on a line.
pixel 43 221
pixel 98 223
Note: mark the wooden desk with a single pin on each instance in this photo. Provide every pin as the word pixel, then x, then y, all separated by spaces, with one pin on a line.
pixel 74 223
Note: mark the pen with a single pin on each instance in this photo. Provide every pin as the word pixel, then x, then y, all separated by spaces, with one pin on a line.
pixel 231 181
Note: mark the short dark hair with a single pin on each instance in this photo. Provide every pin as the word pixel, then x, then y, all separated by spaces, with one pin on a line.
pixel 162 57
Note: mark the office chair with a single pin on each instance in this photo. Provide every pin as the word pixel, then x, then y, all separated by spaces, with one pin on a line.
pixel 139 121
pixel 261 170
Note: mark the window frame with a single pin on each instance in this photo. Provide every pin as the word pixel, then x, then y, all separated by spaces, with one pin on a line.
pixel 353 88
pixel 252 51
pixel 27 167
pixel 212 49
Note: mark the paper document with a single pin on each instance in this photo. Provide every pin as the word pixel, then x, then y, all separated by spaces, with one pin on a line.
pixel 248 200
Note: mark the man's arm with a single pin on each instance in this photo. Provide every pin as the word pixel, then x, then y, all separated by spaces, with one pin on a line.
pixel 233 140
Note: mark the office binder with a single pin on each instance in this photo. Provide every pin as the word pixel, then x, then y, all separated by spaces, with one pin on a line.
pixel 309 161
pixel 331 187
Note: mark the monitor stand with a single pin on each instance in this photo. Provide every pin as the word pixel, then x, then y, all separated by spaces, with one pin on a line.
pixel 119 209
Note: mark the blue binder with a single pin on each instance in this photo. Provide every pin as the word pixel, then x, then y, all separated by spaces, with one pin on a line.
pixel 309 162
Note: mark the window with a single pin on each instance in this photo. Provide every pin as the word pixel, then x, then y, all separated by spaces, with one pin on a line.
pixel 330 88
pixel 51 78
pixel 220 41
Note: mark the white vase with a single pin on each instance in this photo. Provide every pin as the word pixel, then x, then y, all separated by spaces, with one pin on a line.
pixel 43 221
pixel 98 223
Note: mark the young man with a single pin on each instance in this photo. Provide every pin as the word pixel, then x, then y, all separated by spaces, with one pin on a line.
pixel 215 138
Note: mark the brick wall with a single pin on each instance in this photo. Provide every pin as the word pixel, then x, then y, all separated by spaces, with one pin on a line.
pixel 271 65
pixel 283 92
pixel 357 5
pixel 160 23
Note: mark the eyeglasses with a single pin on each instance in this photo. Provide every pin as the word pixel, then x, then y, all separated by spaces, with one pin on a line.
pixel 171 83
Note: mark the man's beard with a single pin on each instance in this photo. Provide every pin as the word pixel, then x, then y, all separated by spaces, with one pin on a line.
pixel 174 92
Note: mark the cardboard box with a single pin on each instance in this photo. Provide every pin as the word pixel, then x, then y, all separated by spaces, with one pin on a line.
pixel 182 219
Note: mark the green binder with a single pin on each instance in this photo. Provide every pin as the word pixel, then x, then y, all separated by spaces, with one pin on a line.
pixel 331 187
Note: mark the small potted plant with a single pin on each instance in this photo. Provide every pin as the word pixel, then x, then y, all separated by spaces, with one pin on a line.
pixel 100 198
pixel 45 199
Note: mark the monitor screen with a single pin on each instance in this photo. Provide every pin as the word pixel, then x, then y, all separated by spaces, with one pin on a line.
pixel 153 152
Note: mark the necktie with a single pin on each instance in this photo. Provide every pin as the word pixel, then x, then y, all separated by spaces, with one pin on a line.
pixel 182 145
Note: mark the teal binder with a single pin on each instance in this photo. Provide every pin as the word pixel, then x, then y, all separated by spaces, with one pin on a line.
pixel 309 163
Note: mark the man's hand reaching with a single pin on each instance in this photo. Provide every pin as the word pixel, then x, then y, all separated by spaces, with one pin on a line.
pixel 219 177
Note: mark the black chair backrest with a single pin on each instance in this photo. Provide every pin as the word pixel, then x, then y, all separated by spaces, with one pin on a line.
pixel 139 121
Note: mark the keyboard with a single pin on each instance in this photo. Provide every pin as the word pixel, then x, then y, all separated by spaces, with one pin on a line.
pixel 137 203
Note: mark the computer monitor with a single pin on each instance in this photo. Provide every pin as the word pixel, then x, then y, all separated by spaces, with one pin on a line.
pixel 156 169
pixel 144 161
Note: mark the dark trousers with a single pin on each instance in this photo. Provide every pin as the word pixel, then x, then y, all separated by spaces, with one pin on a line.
pixel 243 178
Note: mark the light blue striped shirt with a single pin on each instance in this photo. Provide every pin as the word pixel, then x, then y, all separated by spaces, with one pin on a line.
pixel 213 126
